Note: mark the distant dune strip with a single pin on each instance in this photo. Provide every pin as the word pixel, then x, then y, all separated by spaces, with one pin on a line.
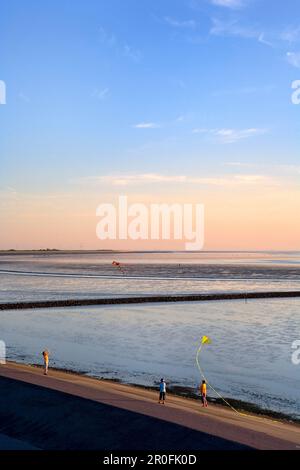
pixel 146 299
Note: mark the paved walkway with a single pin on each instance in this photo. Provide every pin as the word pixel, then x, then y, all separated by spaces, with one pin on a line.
pixel 69 411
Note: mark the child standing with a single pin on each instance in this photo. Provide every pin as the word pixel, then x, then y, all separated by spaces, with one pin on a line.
pixel 46 361
pixel 203 394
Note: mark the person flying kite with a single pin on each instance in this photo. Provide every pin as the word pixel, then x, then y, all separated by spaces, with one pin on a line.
pixel 203 394
pixel 207 340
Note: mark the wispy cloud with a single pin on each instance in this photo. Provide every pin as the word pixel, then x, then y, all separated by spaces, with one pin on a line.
pixel 8 191
pixel 146 125
pixel 134 179
pixel 293 58
pixel 286 174
pixel 293 169
pixel 107 38
pixel 247 90
pixel 262 39
pixel 156 178
pixel 291 34
pixel 233 4
pixel 9 198
pixel 24 97
pixel 232 28
pixel 278 168
pixel 181 118
pixel 240 164
pixel 132 53
pixel 230 136
pixel 111 40
pixel 100 94
pixel 178 83
pixel 180 23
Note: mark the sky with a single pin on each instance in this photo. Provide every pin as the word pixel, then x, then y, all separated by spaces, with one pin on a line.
pixel 165 101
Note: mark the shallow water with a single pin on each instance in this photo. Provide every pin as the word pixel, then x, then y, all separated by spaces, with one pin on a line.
pixel 44 276
pixel 249 358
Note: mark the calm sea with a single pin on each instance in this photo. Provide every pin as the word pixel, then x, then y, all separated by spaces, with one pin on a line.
pixel 63 276
pixel 251 350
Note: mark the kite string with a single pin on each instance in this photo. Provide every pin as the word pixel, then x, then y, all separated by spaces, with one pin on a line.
pixel 236 411
pixel 217 393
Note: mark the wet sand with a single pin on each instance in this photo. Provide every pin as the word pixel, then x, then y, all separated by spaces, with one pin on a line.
pixel 72 411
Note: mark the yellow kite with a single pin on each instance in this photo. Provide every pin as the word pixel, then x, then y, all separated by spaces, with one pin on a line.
pixel 205 340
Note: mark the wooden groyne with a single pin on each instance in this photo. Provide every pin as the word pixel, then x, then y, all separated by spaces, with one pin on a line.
pixel 146 299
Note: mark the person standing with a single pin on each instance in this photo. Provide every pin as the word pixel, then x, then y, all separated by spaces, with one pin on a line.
pixel 46 361
pixel 203 394
pixel 162 391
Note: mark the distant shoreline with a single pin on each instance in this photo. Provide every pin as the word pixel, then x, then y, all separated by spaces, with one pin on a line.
pixel 146 299
pixel 55 251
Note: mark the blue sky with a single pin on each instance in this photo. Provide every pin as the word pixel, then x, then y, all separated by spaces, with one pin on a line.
pixel 110 88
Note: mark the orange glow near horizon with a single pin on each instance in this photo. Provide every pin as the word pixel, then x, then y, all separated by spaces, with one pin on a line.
pixel 243 219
